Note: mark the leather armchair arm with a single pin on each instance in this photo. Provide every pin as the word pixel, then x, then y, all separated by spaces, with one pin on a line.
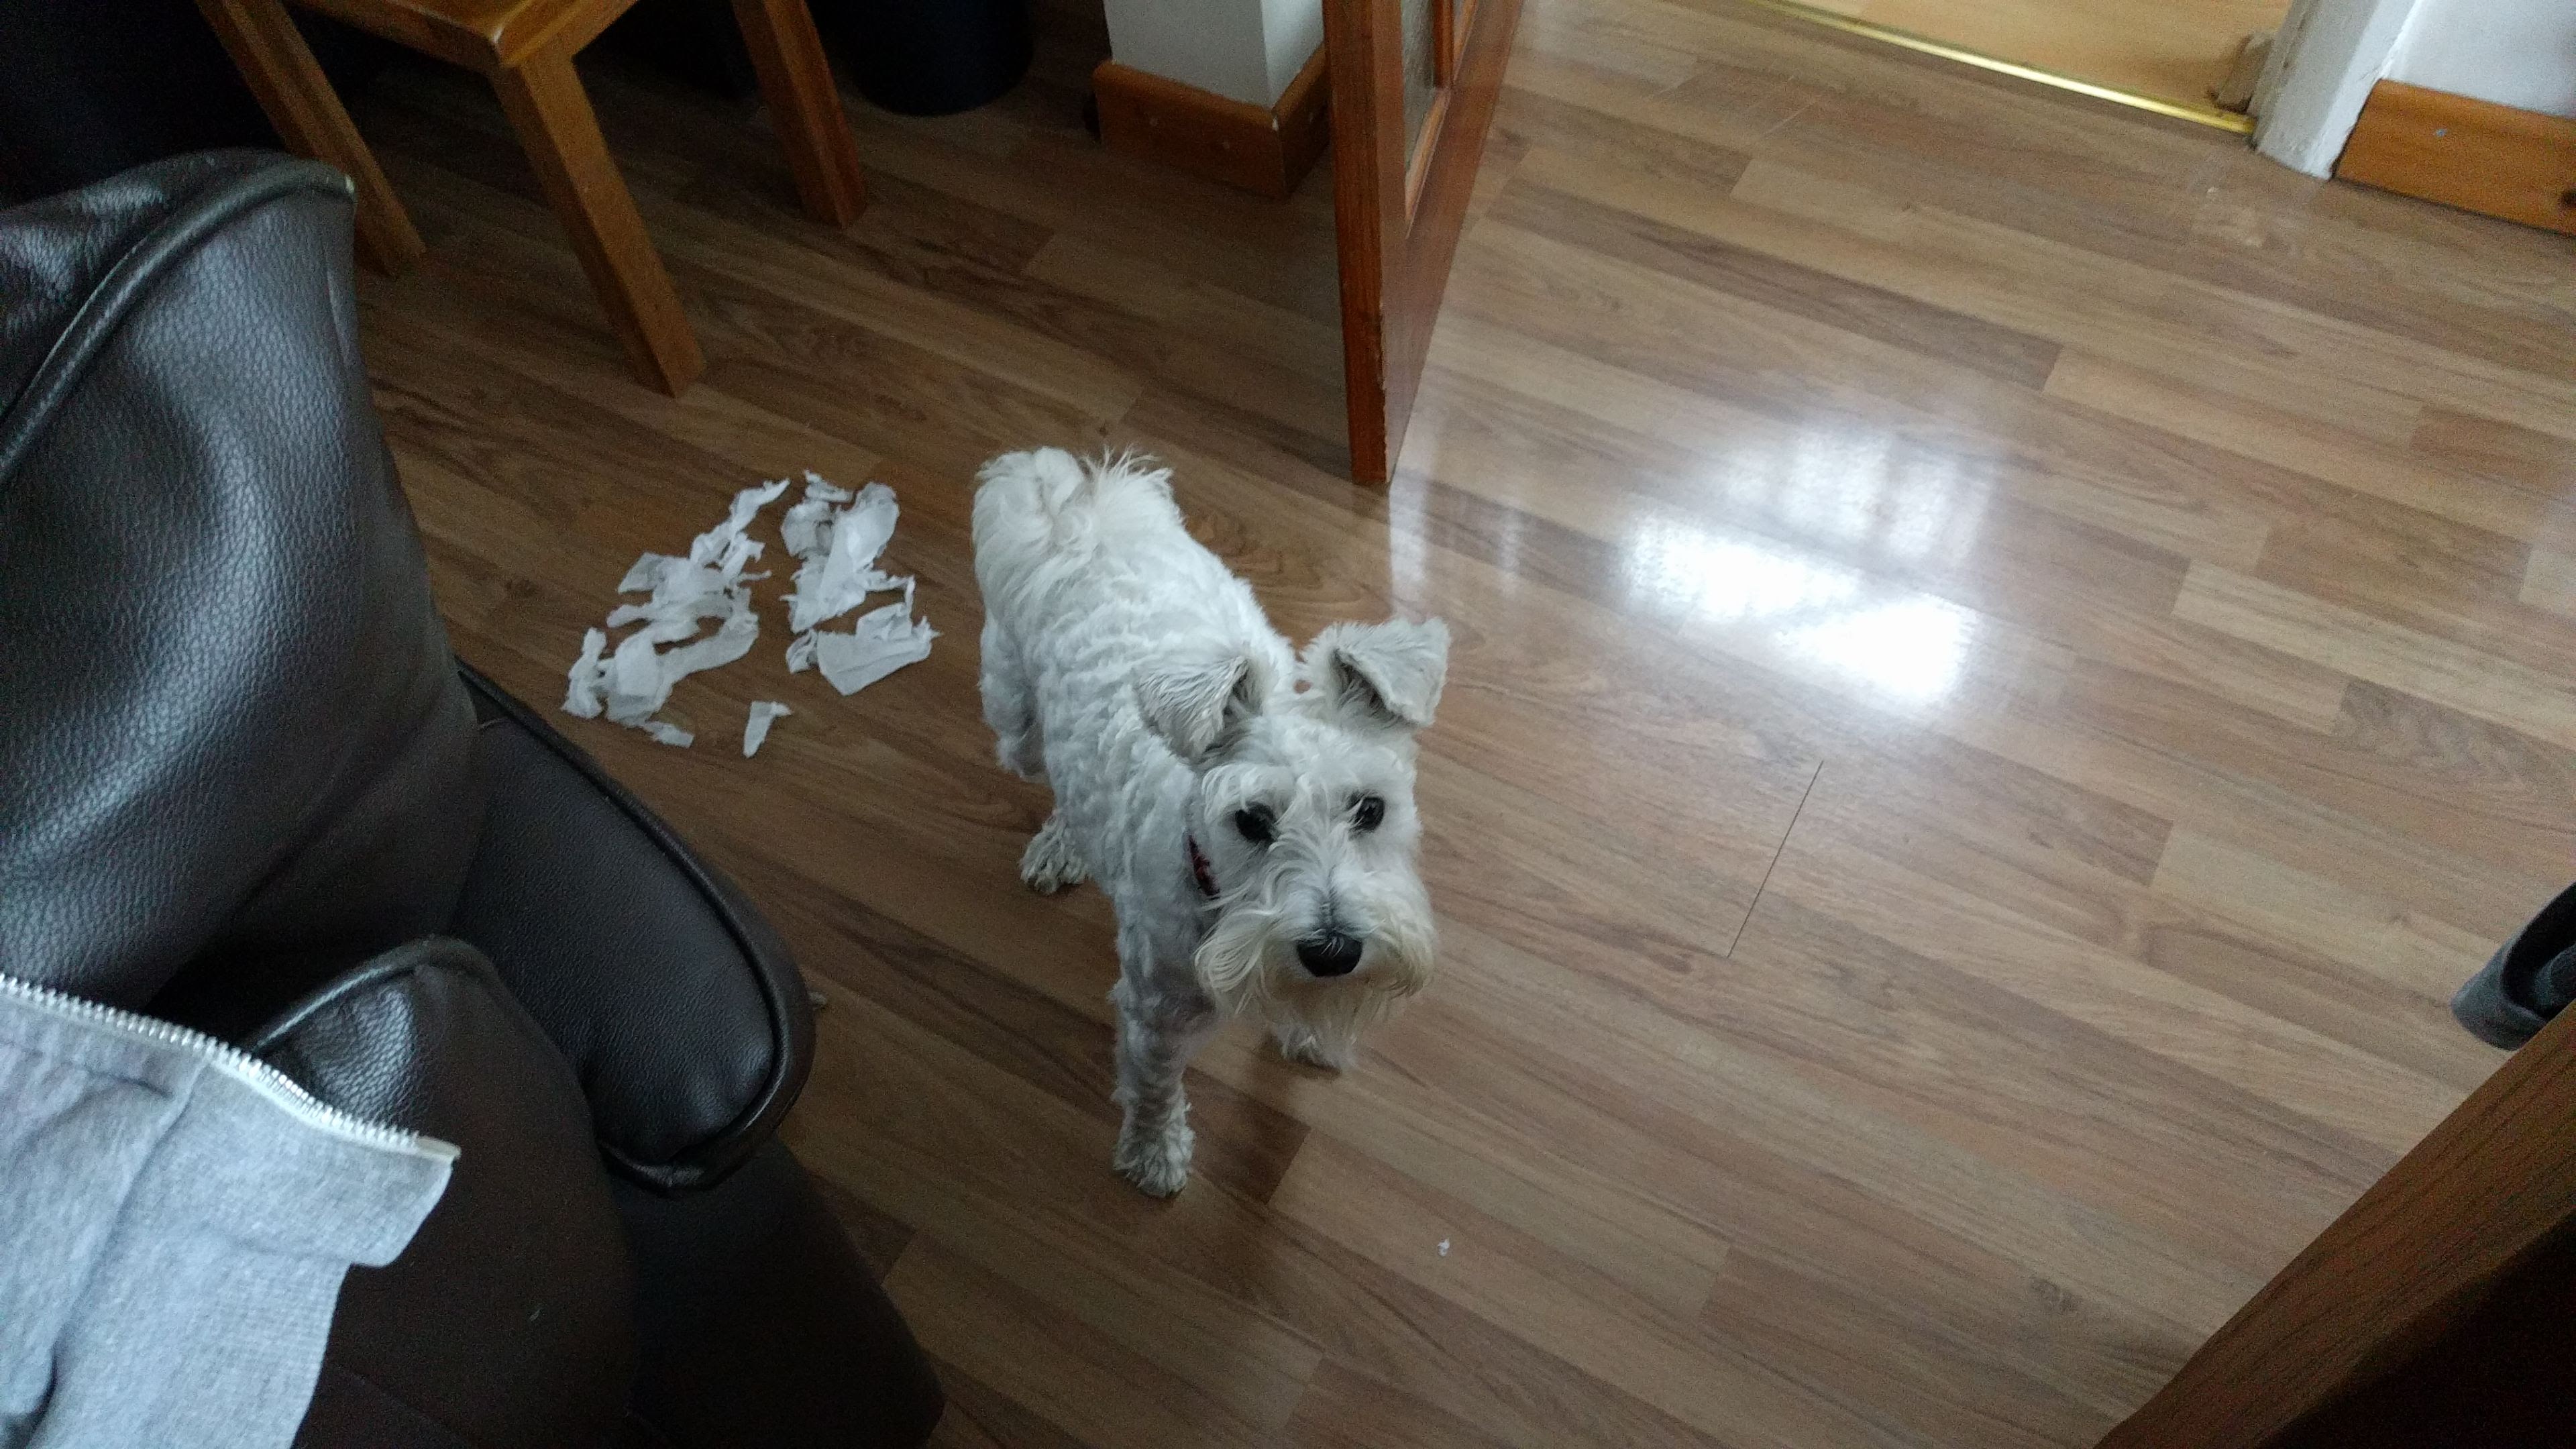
pixel 684 1017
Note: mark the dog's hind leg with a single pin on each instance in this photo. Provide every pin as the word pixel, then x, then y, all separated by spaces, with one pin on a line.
pixel 1011 704
pixel 1158 1033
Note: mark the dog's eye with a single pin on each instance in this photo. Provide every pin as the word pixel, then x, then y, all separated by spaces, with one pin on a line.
pixel 1255 823
pixel 1367 814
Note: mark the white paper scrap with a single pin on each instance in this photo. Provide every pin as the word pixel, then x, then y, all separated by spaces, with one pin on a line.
pixel 588 676
pixel 756 728
pixel 807 524
pixel 691 606
pixel 634 682
pixel 725 541
pixel 834 534
pixel 646 574
pixel 637 685
pixel 731 640
pixel 1444 1247
pixel 838 571
pixel 839 568
pixel 879 643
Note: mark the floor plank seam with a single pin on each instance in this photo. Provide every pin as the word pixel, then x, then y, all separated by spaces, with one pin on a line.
pixel 1749 906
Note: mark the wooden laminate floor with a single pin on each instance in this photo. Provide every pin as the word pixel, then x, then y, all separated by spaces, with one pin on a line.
pixel 2009 655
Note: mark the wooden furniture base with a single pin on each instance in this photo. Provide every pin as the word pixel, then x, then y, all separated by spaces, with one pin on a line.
pixel 308 116
pixel 2475 155
pixel 526 48
pixel 1264 151
pixel 547 108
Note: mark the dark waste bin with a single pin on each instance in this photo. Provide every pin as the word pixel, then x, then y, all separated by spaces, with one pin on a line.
pixel 929 57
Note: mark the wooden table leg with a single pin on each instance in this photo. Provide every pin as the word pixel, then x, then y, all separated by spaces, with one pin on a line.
pixel 300 103
pixel 796 80
pixel 546 105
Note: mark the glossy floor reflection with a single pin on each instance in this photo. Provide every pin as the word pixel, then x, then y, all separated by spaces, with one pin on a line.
pixel 2008 656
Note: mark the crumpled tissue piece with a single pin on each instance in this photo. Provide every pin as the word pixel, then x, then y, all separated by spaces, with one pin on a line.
pixel 839 551
pixel 839 560
pixel 806 522
pixel 756 728
pixel 631 685
pixel 879 643
pixel 588 677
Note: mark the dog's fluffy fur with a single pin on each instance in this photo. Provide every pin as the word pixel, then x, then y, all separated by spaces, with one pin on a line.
pixel 1127 669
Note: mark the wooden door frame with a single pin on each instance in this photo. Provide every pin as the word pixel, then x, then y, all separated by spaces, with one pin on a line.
pixel 2483 1204
pixel 1395 258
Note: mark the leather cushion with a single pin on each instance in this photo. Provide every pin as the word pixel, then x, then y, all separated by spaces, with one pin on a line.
pixel 509 1319
pixel 230 737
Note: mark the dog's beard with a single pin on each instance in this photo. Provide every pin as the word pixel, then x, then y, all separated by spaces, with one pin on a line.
pixel 1248 966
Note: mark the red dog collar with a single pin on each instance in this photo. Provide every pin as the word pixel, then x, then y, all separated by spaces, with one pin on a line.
pixel 1199 871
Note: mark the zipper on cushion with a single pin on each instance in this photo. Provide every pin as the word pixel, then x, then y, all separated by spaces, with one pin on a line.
pixel 231 1060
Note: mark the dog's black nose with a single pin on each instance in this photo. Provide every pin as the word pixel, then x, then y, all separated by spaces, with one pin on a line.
pixel 1330 954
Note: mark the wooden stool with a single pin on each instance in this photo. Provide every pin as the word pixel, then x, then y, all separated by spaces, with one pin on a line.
pixel 526 48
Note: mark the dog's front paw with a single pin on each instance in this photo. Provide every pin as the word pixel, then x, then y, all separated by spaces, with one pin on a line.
pixel 1051 863
pixel 1158 1162
pixel 1302 1044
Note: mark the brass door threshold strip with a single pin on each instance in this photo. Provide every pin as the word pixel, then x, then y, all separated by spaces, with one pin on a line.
pixel 2200 112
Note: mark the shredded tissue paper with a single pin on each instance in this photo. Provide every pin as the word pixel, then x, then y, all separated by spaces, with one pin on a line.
pixel 756 729
pixel 834 535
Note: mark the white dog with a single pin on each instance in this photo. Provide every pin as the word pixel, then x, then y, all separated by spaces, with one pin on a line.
pixel 1250 812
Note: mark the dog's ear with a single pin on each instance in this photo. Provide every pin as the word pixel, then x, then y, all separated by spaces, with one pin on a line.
pixel 1388 675
pixel 1197 704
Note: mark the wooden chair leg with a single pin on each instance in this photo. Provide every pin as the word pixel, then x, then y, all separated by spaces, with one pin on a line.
pixel 272 57
pixel 544 100
pixel 797 82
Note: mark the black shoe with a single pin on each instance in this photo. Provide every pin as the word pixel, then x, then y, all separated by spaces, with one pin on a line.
pixel 2531 979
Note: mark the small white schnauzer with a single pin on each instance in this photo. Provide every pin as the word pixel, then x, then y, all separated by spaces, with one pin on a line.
pixel 1249 812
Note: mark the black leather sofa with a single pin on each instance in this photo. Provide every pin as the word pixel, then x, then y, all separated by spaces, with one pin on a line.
pixel 245 786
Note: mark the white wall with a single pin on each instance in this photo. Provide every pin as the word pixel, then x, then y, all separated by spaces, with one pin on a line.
pixel 2329 54
pixel 2519 53
pixel 1293 30
pixel 1244 50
